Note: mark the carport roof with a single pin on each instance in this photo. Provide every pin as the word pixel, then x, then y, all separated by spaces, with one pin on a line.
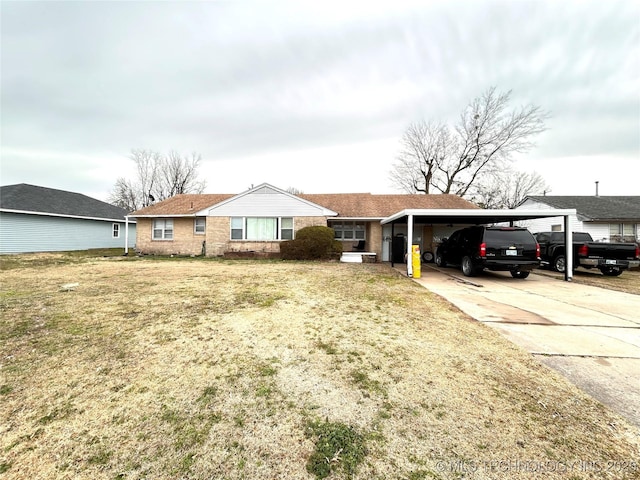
pixel 472 216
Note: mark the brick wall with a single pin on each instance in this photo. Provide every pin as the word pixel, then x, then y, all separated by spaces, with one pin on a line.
pixel 219 234
pixel 185 240
pixel 373 237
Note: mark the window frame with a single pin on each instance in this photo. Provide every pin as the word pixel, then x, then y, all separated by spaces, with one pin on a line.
pixel 339 234
pixel 204 225
pixel 115 230
pixel 624 232
pixel 164 236
pixel 239 225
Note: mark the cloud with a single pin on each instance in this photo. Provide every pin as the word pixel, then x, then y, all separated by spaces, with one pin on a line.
pixel 241 79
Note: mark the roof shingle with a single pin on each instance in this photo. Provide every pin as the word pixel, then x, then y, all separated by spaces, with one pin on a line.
pixel 367 205
pixel 31 198
pixel 596 207
pixel 183 204
pixel 361 205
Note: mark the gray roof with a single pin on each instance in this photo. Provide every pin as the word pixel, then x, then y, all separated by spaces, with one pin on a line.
pixel 31 198
pixel 595 208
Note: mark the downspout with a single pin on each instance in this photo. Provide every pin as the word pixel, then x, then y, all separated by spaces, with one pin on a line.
pixel 409 245
pixel 126 235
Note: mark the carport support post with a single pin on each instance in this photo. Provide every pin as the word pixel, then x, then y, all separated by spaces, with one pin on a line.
pixel 126 235
pixel 393 225
pixel 568 241
pixel 409 245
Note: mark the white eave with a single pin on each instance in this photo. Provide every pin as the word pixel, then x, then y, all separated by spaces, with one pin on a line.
pixel 364 219
pixel 474 215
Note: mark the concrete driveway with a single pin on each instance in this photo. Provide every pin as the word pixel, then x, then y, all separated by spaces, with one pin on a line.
pixel 588 334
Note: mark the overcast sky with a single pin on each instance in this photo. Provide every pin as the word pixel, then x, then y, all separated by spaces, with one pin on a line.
pixel 310 95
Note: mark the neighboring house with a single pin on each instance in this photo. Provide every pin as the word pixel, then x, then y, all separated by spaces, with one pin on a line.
pixel 39 219
pixel 259 219
pixel 606 218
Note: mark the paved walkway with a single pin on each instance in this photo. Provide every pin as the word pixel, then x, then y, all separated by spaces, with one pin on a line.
pixel 589 334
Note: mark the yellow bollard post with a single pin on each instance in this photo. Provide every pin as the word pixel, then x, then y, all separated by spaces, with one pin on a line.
pixel 415 260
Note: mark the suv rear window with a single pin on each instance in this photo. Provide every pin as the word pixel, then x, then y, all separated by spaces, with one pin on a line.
pixel 507 235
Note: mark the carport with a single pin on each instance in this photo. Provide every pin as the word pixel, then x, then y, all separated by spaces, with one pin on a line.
pixel 409 217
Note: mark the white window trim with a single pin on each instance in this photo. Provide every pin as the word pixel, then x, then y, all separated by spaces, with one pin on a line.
pixel 164 230
pixel 115 230
pixel 353 223
pixel 195 226
pixel 278 229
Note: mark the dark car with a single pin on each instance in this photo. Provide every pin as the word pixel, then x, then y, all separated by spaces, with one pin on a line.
pixel 474 249
pixel 610 258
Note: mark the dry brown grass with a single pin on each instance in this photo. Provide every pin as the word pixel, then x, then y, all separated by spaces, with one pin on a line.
pixel 190 368
pixel 628 282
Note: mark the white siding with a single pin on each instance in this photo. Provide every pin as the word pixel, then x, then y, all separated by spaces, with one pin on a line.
pixel 599 231
pixel 21 233
pixel 267 202
pixel 545 224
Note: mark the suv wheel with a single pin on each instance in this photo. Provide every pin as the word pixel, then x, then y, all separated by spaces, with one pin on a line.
pixel 519 274
pixel 467 267
pixel 440 261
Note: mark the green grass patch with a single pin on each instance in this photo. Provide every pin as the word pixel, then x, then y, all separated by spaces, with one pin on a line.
pixel 328 348
pixel 338 447
pixel 101 457
pixel 362 380
pixel 208 394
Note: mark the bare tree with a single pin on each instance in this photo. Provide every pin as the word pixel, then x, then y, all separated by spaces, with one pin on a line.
pixel 506 188
pixel 451 160
pixel 424 149
pixel 180 175
pixel 158 177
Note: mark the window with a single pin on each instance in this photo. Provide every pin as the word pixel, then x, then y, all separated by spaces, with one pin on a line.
pixel 286 228
pixel 349 230
pixel 237 228
pixel 261 228
pixel 199 225
pixel 116 230
pixel 556 228
pixel 622 232
pixel 628 231
pixel 163 229
pixel 614 229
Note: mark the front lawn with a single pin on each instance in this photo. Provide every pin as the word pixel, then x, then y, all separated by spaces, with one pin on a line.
pixel 194 368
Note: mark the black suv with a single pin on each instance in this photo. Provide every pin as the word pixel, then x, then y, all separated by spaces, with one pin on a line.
pixel 511 249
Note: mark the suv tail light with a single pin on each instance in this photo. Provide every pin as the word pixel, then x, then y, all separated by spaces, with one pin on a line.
pixel 637 251
pixel 583 251
pixel 483 250
pixel 538 250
